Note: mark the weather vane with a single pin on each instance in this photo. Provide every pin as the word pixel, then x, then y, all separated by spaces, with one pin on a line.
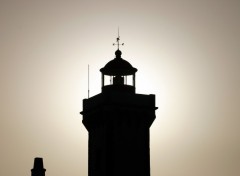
pixel 118 38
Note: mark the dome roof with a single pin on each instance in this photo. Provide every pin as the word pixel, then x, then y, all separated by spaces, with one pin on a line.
pixel 118 66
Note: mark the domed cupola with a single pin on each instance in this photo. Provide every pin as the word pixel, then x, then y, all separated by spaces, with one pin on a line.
pixel 121 74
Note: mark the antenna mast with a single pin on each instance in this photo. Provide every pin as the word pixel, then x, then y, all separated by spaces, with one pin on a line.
pixel 88 82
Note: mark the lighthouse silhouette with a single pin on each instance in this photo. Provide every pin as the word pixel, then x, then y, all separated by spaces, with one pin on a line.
pixel 38 169
pixel 118 122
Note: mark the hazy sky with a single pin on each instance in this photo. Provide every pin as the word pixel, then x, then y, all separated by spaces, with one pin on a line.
pixel 186 51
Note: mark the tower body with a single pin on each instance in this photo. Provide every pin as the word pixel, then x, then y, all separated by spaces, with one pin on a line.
pixel 118 122
pixel 38 169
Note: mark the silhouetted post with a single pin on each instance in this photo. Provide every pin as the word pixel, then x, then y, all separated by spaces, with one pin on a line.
pixel 118 122
pixel 38 169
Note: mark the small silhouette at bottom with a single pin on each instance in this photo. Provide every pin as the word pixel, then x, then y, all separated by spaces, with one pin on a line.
pixel 38 169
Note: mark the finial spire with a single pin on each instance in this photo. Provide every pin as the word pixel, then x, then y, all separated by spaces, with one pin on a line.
pixel 118 38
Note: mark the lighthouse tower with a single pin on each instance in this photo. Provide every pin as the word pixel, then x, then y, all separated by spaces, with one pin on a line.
pixel 38 169
pixel 118 122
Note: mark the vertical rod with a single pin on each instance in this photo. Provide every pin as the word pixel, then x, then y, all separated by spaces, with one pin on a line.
pixel 118 31
pixel 134 81
pixel 118 38
pixel 102 79
pixel 88 82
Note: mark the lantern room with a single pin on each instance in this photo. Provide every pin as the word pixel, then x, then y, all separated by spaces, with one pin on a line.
pixel 118 75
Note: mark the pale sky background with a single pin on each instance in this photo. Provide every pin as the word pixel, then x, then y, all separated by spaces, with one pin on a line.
pixel 186 51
